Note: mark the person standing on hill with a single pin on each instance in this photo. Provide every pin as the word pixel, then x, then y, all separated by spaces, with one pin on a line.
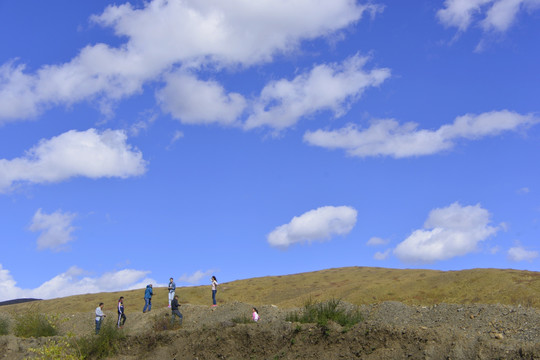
pixel 121 315
pixel 172 289
pixel 148 298
pixel 99 317
pixel 175 311
pixel 214 291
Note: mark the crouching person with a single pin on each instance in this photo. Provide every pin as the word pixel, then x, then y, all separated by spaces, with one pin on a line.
pixel 175 312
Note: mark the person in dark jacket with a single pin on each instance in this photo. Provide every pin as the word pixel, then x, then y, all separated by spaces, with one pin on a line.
pixel 148 298
pixel 121 316
pixel 175 312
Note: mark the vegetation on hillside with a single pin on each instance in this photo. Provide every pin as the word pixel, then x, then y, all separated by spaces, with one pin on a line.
pixel 356 285
pixel 321 313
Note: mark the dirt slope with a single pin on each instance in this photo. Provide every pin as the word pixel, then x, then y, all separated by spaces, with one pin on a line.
pixel 390 330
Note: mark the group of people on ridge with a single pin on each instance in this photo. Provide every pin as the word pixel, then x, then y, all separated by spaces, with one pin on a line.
pixel 173 305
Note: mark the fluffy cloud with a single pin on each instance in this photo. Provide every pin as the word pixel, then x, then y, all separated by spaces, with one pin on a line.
pixel 55 229
pixel 496 15
pixel 326 87
pixel 280 104
pixel 449 232
pixel 376 241
pixel 319 224
pixel 87 153
pixel 196 277
pixel 8 286
pixel 389 138
pixel 519 253
pixel 193 101
pixel 162 34
pixel 382 255
pixel 74 282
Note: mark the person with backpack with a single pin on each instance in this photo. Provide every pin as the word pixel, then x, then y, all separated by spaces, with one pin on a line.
pixel 172 289
pixel 148 298
pixel 121 316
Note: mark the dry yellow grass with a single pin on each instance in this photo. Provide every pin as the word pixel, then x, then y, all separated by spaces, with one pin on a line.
pixel 358 285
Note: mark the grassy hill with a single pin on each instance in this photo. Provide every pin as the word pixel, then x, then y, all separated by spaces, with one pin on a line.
pixel 357 285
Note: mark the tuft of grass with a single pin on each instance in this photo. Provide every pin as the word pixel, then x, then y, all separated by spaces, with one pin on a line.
pixel 322 312
pixel 243 319
pixel 100 346
pixel 4 326
pixel 163 322
pixel 35 324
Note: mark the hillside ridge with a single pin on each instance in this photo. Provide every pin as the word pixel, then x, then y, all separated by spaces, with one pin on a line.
pixel 356 285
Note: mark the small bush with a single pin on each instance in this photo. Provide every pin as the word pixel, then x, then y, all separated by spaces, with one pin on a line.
pixel 4 326
pixel 60 349
pixel 320 313
pixel 102 345
pixel 163 322
pixel 34 324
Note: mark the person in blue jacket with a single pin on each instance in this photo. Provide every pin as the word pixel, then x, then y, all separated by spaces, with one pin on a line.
pixel 148 298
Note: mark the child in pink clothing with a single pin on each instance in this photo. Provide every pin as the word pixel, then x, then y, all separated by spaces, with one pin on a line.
pixel 255 315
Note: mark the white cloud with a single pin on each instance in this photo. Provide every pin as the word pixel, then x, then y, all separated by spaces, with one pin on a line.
pixel 382 255
pixel 451 231
pixel 519 253
pixel 280 104
pixel 327 87
pixel 389 138
pixel 376 241
pixel 74 153
pixel 176 136
pixel 55 229
pixel 492 16
pixel 8 286
pixel 74 282
pixel 144 121
pixel 193 101
pixel 162 34
pixel 319 224
pixel 196 277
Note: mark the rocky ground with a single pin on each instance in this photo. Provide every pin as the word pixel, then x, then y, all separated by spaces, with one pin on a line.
pixel 390 330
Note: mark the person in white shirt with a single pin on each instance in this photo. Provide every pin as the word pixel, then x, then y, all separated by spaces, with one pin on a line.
pixel 214 290
pixel 172 288
pixel 99 317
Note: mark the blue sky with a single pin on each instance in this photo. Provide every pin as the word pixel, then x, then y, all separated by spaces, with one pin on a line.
pixel 144 140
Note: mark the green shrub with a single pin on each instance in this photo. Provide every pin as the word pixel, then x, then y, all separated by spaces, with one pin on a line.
pixel 103 345
pixel 320 313
pixel 34 324
pixel 4 326
pixel 60 349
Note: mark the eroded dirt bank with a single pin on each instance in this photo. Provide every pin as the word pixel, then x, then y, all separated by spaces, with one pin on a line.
pixel 390 330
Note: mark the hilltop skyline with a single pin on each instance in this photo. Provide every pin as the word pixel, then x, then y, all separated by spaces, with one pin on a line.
pixel 144 140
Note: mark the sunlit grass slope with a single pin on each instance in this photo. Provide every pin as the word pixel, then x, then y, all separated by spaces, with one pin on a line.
pixel 358 285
